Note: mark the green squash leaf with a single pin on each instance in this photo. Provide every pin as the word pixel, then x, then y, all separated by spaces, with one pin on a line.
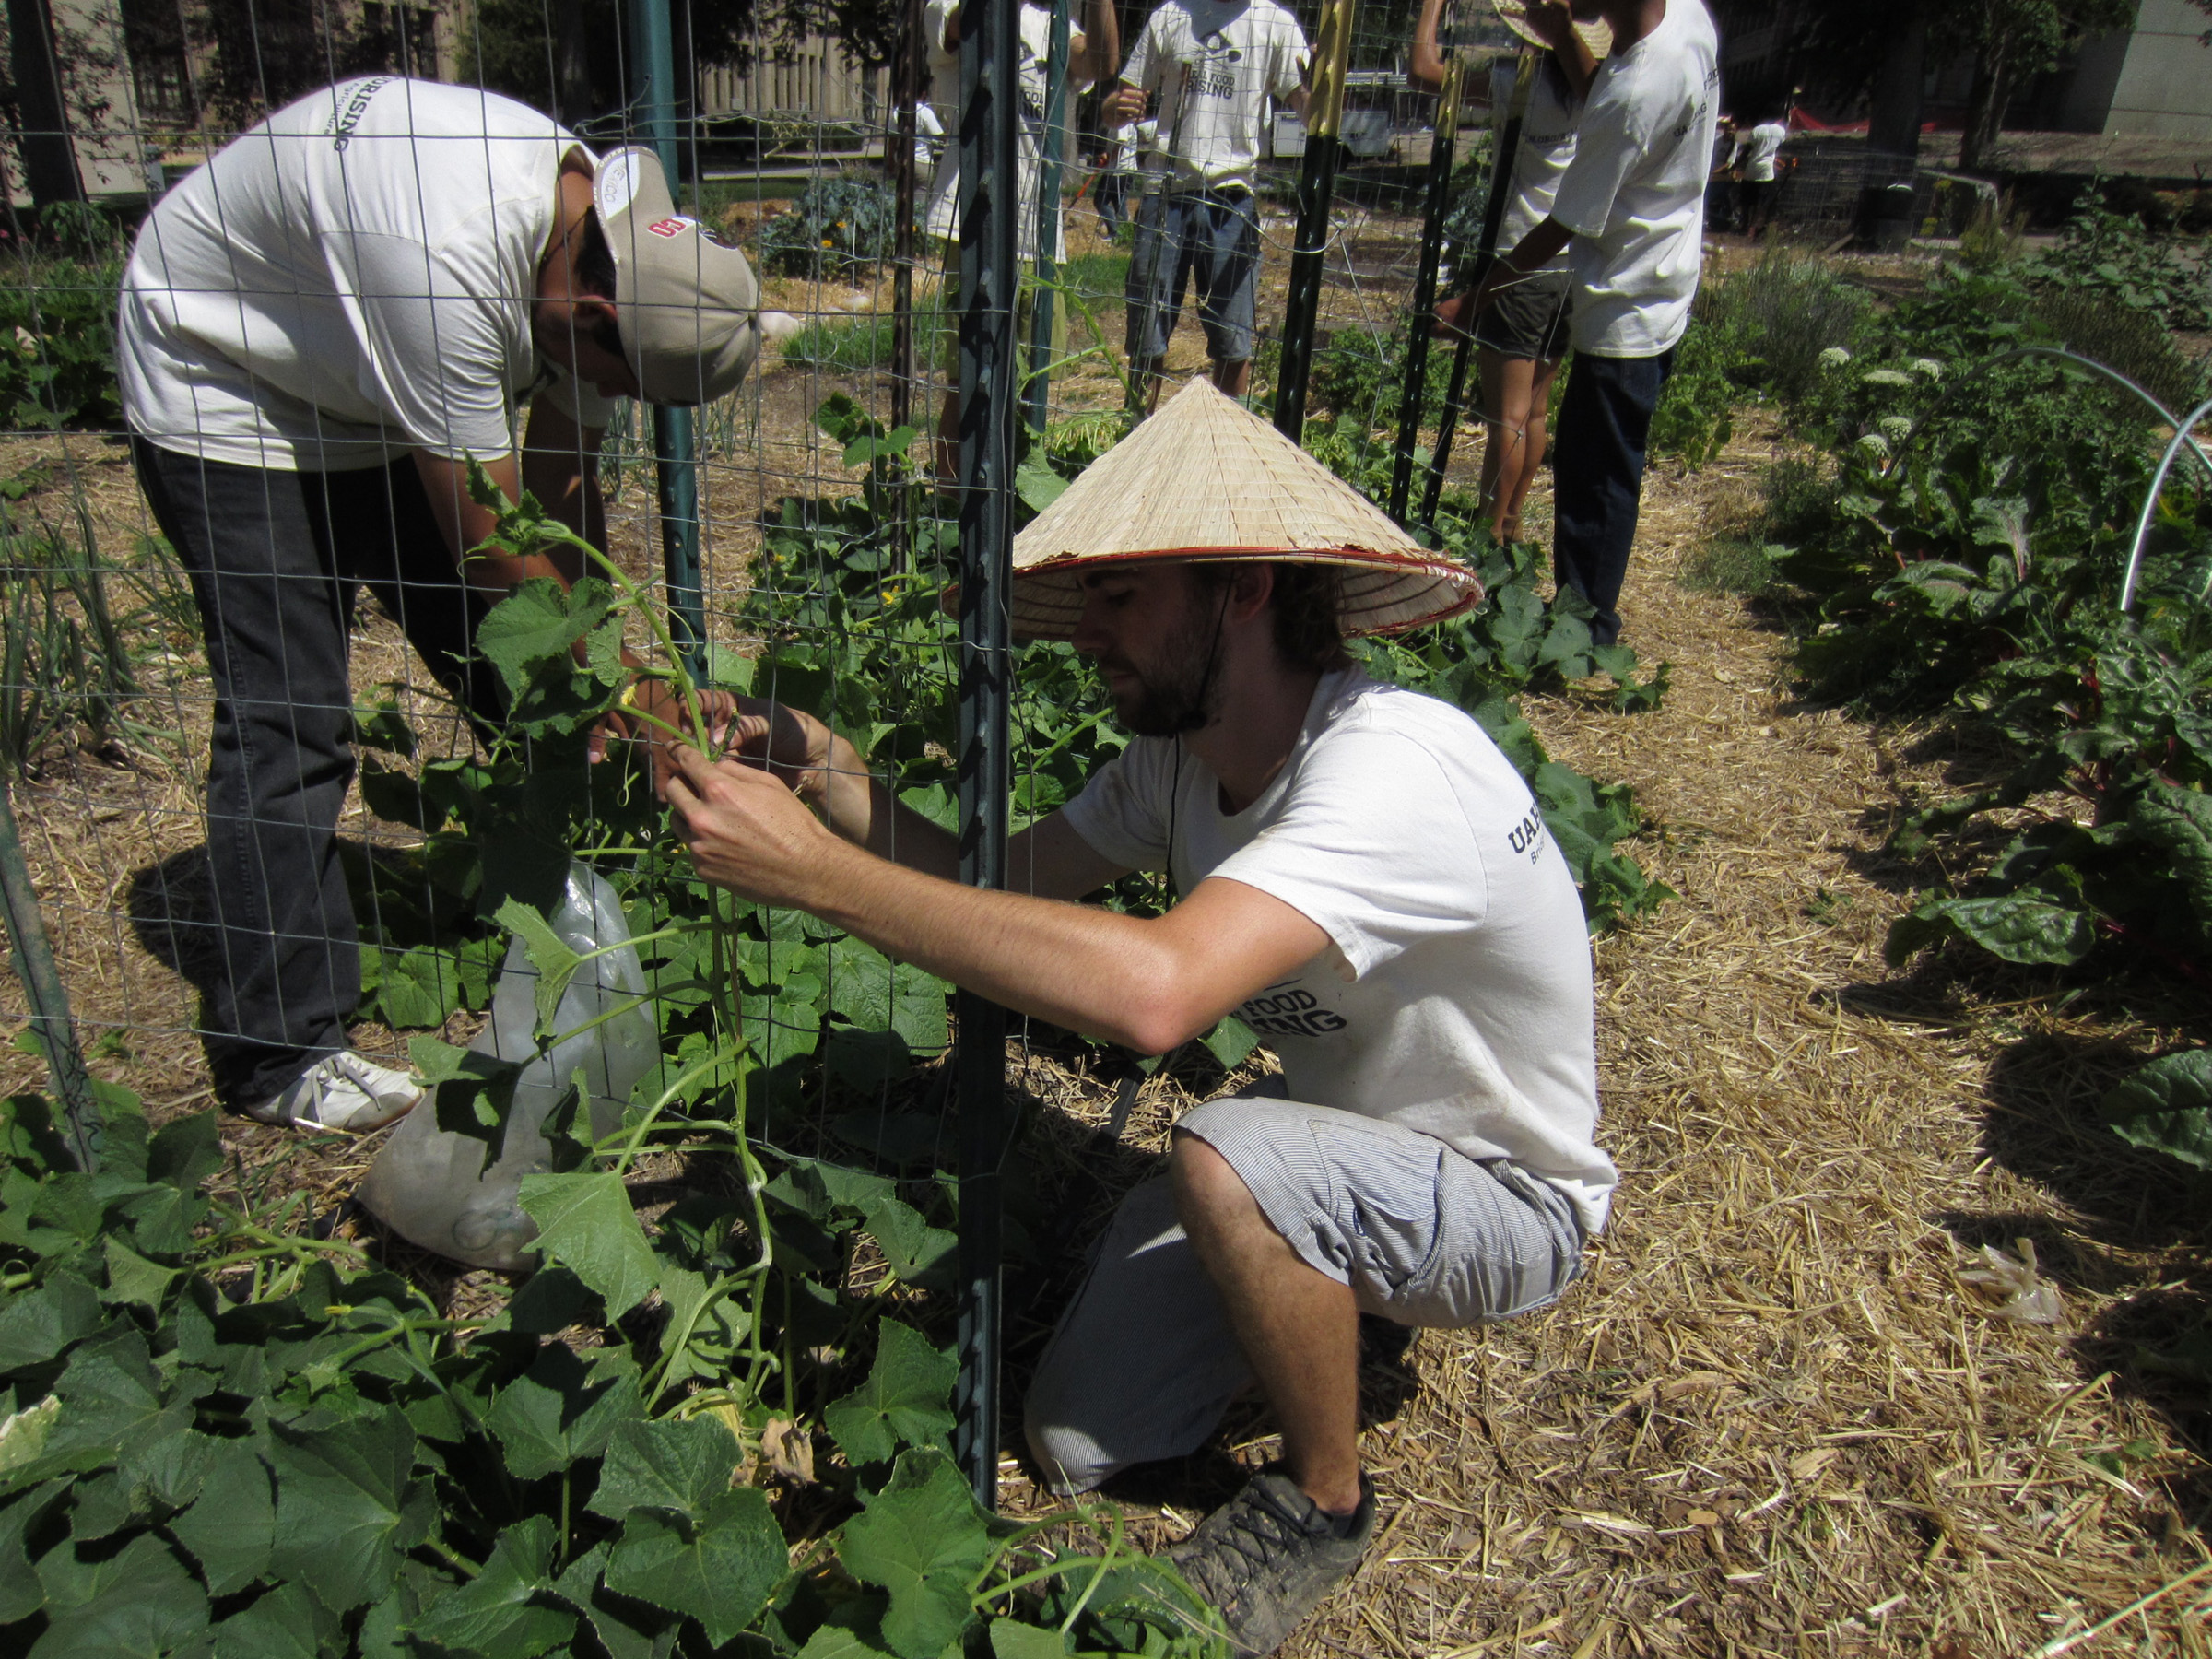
pixel 720 1568
pixel 586 1224
pixel 502 1610
pixel 561 1409
pixel 343 1513
pixel 682 1466
pixel 231 1530
pixel 921 1538
pixel 138 1602
pixel 905 1401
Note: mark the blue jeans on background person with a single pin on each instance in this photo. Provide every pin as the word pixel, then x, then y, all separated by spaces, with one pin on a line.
pixel 1207 240
pixel 1598 476
pixel 274 559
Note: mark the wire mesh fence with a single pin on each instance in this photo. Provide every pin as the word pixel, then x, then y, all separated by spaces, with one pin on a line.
pixel 784 1081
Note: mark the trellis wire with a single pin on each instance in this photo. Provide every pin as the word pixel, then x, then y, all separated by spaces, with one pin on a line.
pixel 138 824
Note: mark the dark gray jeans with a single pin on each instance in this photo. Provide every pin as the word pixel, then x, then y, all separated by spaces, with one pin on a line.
pixel 274 558
pixel 1597 455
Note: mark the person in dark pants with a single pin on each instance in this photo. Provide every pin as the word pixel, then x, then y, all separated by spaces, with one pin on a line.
pixel 318 331
pixel 1631 207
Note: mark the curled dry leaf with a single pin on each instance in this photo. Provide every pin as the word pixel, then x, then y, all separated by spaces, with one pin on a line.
pixel 1807 1465
pixel 787 1450
pixel 2012 1287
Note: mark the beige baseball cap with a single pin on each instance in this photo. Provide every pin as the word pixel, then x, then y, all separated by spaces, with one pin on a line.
pixel 687 306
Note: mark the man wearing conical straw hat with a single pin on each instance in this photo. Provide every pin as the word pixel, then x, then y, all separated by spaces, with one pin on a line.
pixel 1364 879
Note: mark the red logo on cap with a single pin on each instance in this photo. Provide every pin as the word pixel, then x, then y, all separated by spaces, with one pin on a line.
pixel 669 226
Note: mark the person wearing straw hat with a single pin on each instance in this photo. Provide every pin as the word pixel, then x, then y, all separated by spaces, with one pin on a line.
pixel 317 330
pixel 1363 878
pixel 1211 67
pixel 1521 339
pixel 1630 211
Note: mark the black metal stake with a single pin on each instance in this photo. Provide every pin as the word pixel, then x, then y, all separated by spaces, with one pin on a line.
pixel 1316 182
pixel 50 1022
pixel 1493 216
pixel 905 245
pixel 1424 290
pixel 990 204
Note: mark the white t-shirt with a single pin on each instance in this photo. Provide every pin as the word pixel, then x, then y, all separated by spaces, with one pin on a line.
pixel 347 281
pixel 1546 146
pixel 929 135
pixel 1634 195
pixel 1760 146
pixel 1033 49
pixel 1455 996
pixel 1215 65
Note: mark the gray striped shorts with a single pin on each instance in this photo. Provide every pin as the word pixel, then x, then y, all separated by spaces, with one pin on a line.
pixel 1143 1363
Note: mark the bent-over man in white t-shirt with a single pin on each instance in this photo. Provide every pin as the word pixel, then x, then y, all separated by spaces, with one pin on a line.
pixel 1762 147
pixel 1630 212
pixel 318 329
pixel 1365 882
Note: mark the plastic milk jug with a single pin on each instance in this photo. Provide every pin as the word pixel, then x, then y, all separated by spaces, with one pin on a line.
pixel 431 1186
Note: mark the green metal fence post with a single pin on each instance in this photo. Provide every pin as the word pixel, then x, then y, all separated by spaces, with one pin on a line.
pixel 50 1022
pixel 674 437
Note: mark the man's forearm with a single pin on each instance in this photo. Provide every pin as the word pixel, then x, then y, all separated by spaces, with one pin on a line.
pixel 1538 248
pixel 1094 971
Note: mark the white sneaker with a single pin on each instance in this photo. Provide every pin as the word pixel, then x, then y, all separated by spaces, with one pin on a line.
pixel 342 1092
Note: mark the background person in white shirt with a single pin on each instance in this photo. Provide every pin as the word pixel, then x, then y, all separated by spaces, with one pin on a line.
pixel 1720 189
pixel 1364 878
pixel 1091 51
pixel 1211 67
pixel 317 330
pixel 1762 146
pixel 1520 340
pixel 1631 210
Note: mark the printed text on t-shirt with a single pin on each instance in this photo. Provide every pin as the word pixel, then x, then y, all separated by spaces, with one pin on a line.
pixel 1290 1013
pixel 344 120
pixel 1528 834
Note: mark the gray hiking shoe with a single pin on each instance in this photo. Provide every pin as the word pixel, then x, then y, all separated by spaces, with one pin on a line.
pixel 1266 1557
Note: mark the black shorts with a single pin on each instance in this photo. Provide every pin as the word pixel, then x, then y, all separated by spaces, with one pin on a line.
pixel 1528 319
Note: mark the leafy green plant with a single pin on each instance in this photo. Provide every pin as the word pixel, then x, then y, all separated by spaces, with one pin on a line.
pixel 2116 258
pixel 222 1431
pixel 57 344
pixel 69 663
pixel 837 227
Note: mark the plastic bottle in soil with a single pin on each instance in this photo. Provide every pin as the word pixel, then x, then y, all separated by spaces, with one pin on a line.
pixel 431 1186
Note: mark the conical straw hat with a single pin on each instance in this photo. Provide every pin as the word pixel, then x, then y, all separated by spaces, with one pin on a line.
pixel 1205 479
pixel 1597 34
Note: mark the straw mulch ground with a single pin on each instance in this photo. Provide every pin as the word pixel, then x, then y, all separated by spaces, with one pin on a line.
pixel 1771 1420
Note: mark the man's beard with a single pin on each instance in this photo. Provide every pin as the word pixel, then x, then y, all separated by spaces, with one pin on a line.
pixel 1180 695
